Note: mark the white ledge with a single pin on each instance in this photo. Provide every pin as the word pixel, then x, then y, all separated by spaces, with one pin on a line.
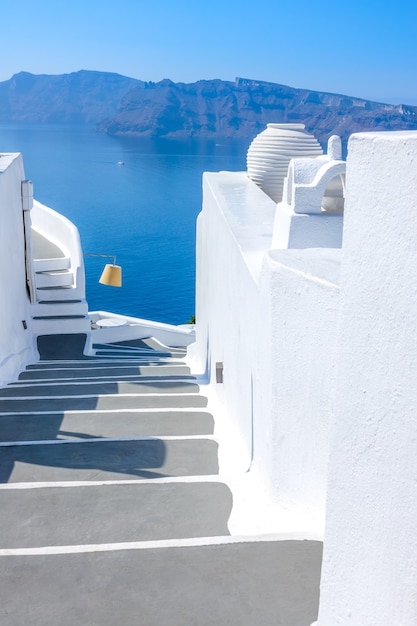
pixel 248 212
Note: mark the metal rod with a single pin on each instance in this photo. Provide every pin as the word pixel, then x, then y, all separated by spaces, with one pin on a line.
pixel 108 256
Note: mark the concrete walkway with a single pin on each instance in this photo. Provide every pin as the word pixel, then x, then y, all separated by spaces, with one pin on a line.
pixel 113 511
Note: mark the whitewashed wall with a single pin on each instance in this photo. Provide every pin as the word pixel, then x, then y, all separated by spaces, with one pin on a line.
pixel 299 289
pixel 270 319
pixel 370 550
pixel 16 346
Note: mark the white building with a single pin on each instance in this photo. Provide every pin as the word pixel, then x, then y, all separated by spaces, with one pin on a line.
pixel 306 347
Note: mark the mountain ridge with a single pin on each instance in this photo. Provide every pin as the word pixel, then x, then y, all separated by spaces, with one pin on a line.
pixel 208 108
pixel 78 97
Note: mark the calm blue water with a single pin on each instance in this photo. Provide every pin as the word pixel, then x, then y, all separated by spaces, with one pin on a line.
pixel 144 212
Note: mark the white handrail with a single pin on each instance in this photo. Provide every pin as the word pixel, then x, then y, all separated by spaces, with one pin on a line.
pixel 64 234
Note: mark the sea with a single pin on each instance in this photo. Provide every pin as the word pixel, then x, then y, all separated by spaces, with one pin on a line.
pixel 135 198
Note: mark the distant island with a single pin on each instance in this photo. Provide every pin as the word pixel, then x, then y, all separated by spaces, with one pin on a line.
pixel 210 109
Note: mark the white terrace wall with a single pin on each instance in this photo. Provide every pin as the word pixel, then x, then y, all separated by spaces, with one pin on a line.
pixel 270 319
pixel 370 551
pixel 16 346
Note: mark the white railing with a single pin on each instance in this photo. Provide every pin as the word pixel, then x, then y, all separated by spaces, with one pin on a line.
pixel 61 231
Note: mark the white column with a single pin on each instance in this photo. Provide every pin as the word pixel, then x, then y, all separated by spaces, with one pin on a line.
pixel 369 572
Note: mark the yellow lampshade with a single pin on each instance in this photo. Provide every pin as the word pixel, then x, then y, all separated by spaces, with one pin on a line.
pixel 112 276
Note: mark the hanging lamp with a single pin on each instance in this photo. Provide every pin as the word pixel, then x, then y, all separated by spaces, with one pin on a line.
pixel 112 273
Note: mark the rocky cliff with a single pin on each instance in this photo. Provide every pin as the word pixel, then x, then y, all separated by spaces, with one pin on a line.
pixel 208 108
pixel 215 108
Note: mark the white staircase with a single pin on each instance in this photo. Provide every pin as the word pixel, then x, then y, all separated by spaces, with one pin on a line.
pixel 59 306
pixel 113 510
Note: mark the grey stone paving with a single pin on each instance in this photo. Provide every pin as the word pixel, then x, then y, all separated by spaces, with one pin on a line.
pixel 62 346
pixel 99 387
pixel 112 513
pixel 149 342
pixel 248 584
pixel 104 379
pixel 237 584
pixel 89 362
pixel 109 402
pixel 109 370
pixel 129 353
pixel 108 460
pixel 23 427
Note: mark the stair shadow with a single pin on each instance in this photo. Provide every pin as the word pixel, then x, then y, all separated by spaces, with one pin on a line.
pixel 65 388
pixel 61 347
pixel 30 427
pixel 83 460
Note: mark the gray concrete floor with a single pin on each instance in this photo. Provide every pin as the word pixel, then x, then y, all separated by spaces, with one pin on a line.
pixel 98 387
pixel 101 402
pixel 82 425
pixel 107 371
pixel 268 583
pixel 248 584
pixel 108 460
pixel 92 514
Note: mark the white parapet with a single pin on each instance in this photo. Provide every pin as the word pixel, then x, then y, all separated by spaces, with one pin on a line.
pixel 16 341
pixel 265 343
pixel 311 211
pixel 369 574
pixel 106 327
pixel 60 231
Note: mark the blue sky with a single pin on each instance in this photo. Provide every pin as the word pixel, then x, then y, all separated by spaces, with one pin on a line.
pixel 360 48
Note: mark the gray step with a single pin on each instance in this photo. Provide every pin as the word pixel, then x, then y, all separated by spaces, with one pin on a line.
pixel 271 583
pixel 55 278
pixel 60 302
pixel 96 376
pixel 57 293
pixel 132 354
pixel 88 362
pixel 51 264
pixel 59 324
pixel 82 425
pixel 109 402
pixel 105 372
pixel 149 342
pixel 57 307
pixel 67 316
pixel 143 349
pixel 86 377
pixel 58 516
pixel 48 390
pixel 62 347
pixel 108 460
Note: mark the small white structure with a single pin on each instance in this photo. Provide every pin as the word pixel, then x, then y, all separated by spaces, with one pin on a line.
pixel 311 211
